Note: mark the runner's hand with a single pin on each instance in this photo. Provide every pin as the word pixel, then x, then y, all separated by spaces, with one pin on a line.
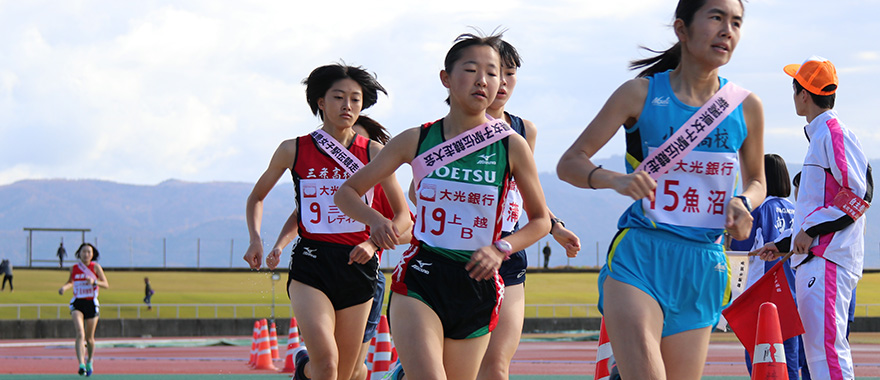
pixel 484 263
pixel 254 255
pixel 568 240
pixel 362 253
pixel 384 233
pixel 273 258
pixel 739 220
pixel 636 185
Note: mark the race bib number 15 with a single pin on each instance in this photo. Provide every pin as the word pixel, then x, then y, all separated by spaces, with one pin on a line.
pixel 695 192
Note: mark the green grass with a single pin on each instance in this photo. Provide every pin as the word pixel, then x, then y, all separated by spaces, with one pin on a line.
pixel 127 287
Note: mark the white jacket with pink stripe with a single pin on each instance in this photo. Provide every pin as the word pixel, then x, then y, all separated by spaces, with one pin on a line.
pixel 834 161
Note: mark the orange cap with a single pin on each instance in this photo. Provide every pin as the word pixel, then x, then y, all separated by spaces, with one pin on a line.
pixel 814 74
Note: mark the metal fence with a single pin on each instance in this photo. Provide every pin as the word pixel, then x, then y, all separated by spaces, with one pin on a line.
pixel 139 310
pixel 172 311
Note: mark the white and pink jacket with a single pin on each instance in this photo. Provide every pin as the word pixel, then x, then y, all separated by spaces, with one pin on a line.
pixel 834 160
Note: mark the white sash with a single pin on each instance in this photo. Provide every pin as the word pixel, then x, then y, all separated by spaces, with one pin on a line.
pixel 341 155
pixel 86 271
pixel 459 146
pixel 694 130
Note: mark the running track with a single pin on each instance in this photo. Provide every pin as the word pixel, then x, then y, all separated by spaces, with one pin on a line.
pixel 189 356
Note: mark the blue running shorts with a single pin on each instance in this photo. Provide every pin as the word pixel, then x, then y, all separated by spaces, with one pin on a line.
pixel 688 279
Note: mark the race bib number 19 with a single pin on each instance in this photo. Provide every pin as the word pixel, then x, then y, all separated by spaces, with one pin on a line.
pixel 455 215
pixel 695 192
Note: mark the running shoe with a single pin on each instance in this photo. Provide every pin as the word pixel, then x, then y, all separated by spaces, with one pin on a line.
pixel 82 370
pixel 299 362
pixel 395 373
pixel 89 369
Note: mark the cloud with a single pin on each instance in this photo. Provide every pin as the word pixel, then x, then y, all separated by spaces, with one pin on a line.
pixel 140 92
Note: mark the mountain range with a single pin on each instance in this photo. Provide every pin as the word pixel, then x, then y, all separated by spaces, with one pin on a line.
pixel 186 224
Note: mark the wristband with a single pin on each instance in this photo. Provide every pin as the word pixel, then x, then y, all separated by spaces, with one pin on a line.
pixel 553 222
pixel 746 202
pixel 590 177
pixel 505 248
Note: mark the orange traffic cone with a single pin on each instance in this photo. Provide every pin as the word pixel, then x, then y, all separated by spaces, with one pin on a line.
pixel 382 356
pixel 273 340
pixel 264 354
pixel 769 359
pixel 256 335
pixel 292 344
pixel 603 354
pixel 371 353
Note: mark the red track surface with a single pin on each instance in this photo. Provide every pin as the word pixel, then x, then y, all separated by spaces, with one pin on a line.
pixel 553 358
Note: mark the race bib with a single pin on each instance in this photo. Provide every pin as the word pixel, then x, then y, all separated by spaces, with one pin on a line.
pixel 695 192
pixel 456 215
pixel 82 289
pixel 318 211
pixel 512 208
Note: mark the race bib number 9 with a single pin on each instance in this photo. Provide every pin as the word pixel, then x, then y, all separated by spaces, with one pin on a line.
pixel 456 215
pixel 695 192
pixel 319 213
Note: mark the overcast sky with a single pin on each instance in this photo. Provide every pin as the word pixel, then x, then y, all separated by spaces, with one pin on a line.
pixel 143 91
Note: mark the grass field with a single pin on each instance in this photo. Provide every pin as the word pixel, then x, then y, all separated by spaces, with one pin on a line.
pixel 238 288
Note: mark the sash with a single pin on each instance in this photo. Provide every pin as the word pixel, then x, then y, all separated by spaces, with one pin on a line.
pixel 459 146
pixel 694 130
pixel 341 155
pixel 86 271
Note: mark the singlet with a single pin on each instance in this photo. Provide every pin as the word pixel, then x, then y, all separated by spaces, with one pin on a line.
pixel 772 217
pixel 81 287
pixel 691 199
pixel 316 178
pixel 513 205
pixel 459 205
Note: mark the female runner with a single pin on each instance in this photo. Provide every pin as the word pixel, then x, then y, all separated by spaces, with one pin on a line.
pixel 367 127
pixel 505 338
pixel 333 269
pixel 666 278
pixel 86 276
pixel 447 283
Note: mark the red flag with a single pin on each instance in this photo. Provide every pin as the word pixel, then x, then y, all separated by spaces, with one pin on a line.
pixel 742 314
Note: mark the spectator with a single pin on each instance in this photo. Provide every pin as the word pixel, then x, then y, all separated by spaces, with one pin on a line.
pixel 62 253
pixel 148 293
pixel 6 270
pixel 546 255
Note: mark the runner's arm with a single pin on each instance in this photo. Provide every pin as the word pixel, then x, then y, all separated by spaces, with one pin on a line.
pixel 751 157
pixel 623 107
pixel 102 279
pixel 565 237
pixel 400 150
pixel 281 161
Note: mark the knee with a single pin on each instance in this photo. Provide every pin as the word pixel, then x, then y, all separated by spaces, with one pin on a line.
pixel 323 367
pixel 360 372
pixel 90 341
pixel 492 371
